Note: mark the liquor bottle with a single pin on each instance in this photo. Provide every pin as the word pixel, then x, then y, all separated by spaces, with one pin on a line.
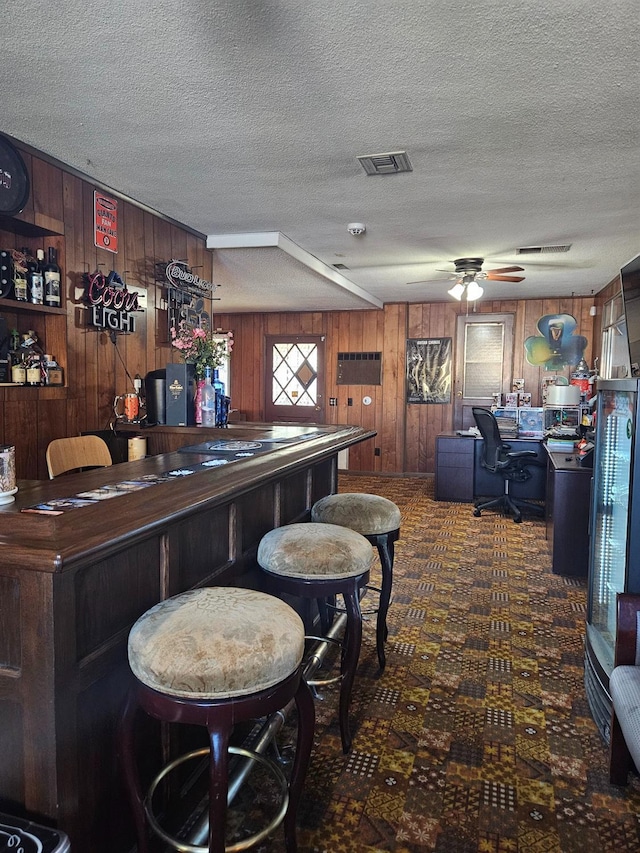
pixel 35 281
pixel 51 274
pixel 208 401
pixel 6 273
pixel 19 373
pixel 218 385
pixel 34 372
pixel 20 291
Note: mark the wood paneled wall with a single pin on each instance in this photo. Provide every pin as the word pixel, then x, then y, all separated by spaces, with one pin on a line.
pixel 96 370
pixel 61 203
pixel 406 432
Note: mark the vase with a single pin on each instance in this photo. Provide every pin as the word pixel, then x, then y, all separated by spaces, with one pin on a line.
pixel 8 486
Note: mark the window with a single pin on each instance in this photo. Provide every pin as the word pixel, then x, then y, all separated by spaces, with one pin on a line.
pixel 224 374
pixel 483 359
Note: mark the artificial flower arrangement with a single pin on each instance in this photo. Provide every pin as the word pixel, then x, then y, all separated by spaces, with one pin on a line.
pixel 201 347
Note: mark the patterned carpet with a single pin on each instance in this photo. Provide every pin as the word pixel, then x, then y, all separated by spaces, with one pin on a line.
pixel 478 737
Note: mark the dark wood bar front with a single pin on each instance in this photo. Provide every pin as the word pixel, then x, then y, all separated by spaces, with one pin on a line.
pixel 72 585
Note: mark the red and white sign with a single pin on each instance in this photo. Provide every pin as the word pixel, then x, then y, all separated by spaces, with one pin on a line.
pixel 105 222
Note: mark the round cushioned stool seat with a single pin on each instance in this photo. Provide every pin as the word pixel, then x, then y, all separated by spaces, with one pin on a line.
pixel 319 561
pixel 378 519
pixel 367 514
pixel 314 551
pixel 215 657
pixel 216 642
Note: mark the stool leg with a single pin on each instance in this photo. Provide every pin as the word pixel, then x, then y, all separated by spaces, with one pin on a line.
pixel 325 612
pixel 126 749
pixel 352 643
pixel 218 788
pixel 385 550
pixel 306 725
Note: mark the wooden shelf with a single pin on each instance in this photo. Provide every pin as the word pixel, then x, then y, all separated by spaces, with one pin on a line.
pixel 14 305
pixel 42 226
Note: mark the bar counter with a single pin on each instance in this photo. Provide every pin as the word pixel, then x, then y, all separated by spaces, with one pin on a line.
pixel 72 585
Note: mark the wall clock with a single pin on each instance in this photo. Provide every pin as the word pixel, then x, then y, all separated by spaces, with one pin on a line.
pixel 14 179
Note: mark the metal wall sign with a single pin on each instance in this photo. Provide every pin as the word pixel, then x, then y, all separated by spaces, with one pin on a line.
pixel 112 305
pixel 105 222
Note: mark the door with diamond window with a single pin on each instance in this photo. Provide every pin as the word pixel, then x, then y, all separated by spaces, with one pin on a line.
pixel 295 379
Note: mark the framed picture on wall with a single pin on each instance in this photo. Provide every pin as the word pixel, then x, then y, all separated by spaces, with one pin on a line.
pixel 428 370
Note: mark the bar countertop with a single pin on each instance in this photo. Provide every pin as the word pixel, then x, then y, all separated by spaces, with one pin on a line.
pixel 250 453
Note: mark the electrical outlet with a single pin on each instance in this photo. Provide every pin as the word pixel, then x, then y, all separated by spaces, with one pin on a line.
pixel 376 451
pixel 349 401
pixel 333 401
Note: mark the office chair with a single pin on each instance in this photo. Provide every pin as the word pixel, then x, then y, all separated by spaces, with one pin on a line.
pixel 78 451
pixel 511 466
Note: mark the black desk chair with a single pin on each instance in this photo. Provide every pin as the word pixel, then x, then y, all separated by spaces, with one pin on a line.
pixel 511 466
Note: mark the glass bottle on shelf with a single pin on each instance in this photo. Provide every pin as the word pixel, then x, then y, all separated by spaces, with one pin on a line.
pixel 34 371
pixel 208 401
pixel 51 274
pixel 20 292
pixel 35 281
pixel 18 372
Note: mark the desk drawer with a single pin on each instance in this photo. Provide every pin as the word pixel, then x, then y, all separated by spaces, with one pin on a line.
pixel 454 469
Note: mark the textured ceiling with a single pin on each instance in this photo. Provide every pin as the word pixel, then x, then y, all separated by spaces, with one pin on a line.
pixel 520 120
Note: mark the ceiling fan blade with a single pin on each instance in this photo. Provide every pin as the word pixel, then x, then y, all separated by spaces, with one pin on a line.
pixel 492 277
pixel 449 277
pixel 507 269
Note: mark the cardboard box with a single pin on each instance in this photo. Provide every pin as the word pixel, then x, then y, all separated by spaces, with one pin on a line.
pixel 180 395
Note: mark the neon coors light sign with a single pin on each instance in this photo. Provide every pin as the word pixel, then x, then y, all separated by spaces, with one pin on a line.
pixel 112 304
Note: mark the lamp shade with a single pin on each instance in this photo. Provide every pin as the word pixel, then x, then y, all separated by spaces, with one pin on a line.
pixel 456 291
pixel 474 291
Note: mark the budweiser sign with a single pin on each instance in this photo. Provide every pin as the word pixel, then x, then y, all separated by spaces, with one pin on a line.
pixel 180 276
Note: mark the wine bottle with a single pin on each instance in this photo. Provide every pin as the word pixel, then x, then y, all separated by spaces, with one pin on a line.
pixel 208 401
pixel 19 277
pixel 35 281
pixel 51 274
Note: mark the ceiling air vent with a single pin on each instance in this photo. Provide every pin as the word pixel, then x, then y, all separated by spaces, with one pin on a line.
pixel 340 266
pixel 386 164
pixel 542 250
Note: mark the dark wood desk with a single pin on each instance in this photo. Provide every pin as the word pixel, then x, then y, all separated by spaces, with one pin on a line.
pixel 567 513
pixel 72 585
pixel 461 477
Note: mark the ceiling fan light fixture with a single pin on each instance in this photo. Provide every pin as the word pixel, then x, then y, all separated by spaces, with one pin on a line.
pixel 474 291
pixel 457 290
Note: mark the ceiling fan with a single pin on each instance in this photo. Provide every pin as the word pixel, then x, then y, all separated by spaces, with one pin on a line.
pixel 468 273
pixel 473 267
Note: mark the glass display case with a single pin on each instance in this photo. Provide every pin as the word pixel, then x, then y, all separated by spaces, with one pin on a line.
pixel 556 417
pixel 614 560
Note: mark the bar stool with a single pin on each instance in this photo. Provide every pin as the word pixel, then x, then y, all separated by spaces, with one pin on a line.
pixel 378 520
pixel 215 657
pixel 319 561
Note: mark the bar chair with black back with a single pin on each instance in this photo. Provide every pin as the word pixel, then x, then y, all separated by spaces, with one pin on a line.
pixel 76 452
pixel 511 466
